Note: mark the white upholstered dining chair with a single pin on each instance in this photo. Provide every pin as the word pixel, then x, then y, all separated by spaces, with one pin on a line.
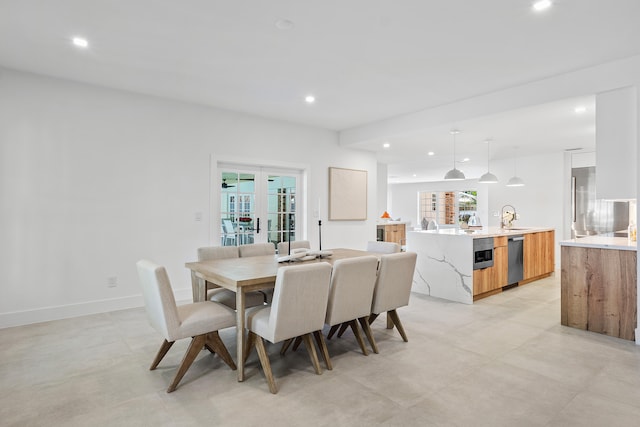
pixel 221 295
pixel 383 247
pixel 393 287
pixel 283 247
pixel 257 249
pixel 298 309
pixel 199 321
pixel 350 297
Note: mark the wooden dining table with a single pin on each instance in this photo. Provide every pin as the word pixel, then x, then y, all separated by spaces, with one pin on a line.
pixel 242 275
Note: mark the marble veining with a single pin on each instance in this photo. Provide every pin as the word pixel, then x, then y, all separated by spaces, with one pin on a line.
pixel 444 267
pixel 462 276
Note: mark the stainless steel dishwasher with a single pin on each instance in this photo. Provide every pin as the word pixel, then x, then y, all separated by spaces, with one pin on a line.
pixel 515 272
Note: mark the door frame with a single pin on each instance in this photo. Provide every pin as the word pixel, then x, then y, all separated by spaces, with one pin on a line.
pixel 215 183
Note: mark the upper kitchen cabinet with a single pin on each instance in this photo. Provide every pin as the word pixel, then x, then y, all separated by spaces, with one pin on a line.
pixel 616 144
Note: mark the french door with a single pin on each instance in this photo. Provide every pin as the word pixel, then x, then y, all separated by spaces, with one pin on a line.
pixel 258 205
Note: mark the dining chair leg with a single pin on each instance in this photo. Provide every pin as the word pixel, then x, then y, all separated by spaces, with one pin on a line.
pixel 214 342
pixel 333 330
pixel 343 328
pixel 248 346
pixel 164 348
pixel 369 333
pixel 396 320
pixel 311 349
pixel 264 361
pixel 195 346
pixel 208 347
pixel 358 335
pixel 296 343
pixel 373 317
pixel 389 321
pixel 285 346
pixel 322 345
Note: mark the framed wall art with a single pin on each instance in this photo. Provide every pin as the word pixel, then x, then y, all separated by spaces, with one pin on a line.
pixel 347 194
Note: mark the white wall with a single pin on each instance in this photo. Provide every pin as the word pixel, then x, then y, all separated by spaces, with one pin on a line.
pixel 382 189
pixel 94 179
pixel 616 144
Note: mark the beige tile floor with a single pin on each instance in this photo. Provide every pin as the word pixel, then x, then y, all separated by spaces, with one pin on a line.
pixel 504 361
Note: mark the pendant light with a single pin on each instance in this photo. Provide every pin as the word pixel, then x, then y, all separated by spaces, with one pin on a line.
pixel 488 178
pixel 515 180
pixel 454 174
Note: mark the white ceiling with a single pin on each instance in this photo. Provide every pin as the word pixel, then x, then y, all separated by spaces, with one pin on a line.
pixel 365 60
pixel 546 128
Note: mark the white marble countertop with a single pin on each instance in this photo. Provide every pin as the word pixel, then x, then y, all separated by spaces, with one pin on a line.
pixel 602 242
pixel 485 231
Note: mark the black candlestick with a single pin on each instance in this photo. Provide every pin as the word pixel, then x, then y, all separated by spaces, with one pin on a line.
pixel 320 234
pixel 289 240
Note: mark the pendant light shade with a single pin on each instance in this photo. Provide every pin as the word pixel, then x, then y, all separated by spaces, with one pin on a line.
pixel 454 174
pixel 488 178
pixel 515 180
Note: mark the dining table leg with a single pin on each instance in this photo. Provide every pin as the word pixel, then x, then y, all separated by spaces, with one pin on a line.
pixel 198 287
pixel 240 297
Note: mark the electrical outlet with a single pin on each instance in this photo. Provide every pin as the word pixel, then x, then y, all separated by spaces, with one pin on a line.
pixel 198 216
pixel 112 281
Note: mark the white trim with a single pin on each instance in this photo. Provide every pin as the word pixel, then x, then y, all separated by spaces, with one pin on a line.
pixel 215 164
pixel 46 314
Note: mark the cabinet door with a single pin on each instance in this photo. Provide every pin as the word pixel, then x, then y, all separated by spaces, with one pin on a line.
pixel 483 280
pixel 394 233
pixel 500 266
pixel 538 253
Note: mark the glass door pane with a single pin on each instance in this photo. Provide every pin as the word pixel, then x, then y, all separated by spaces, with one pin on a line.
pixel 281 208
pixel 237 208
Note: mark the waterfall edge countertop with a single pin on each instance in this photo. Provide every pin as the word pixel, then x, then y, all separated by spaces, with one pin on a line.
pixel 602 242
pixel 485 231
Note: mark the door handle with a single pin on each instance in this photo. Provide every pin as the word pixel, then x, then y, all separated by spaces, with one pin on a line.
pixel 258 226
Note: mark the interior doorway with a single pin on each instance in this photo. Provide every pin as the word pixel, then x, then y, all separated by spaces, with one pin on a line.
pixel 258 204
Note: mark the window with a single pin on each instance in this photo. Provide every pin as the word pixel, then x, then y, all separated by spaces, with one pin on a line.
pixel 447 207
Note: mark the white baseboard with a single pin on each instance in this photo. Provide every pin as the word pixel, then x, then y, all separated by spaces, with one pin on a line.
pixel 637 336
pixel 46 314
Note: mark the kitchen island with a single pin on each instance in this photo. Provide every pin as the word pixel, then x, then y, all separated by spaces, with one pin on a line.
pixel 446 260
pixel 599 285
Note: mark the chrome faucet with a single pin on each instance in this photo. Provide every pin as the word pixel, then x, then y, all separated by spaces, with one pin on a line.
pixel 502 211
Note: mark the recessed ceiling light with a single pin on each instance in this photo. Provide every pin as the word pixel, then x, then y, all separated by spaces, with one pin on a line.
pixel 465 160
pixel 284 24
pixel 430 153
pixel 414 175
pixel 386 145
pixel 310 99
pixel 80 42
pixel 541 5
pixel 580 109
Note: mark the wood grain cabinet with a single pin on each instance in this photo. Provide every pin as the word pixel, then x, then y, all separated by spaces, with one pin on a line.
pixel 396 233
pixel 599 290
pixel 538 254
pixel 539 262
pixel 493 278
